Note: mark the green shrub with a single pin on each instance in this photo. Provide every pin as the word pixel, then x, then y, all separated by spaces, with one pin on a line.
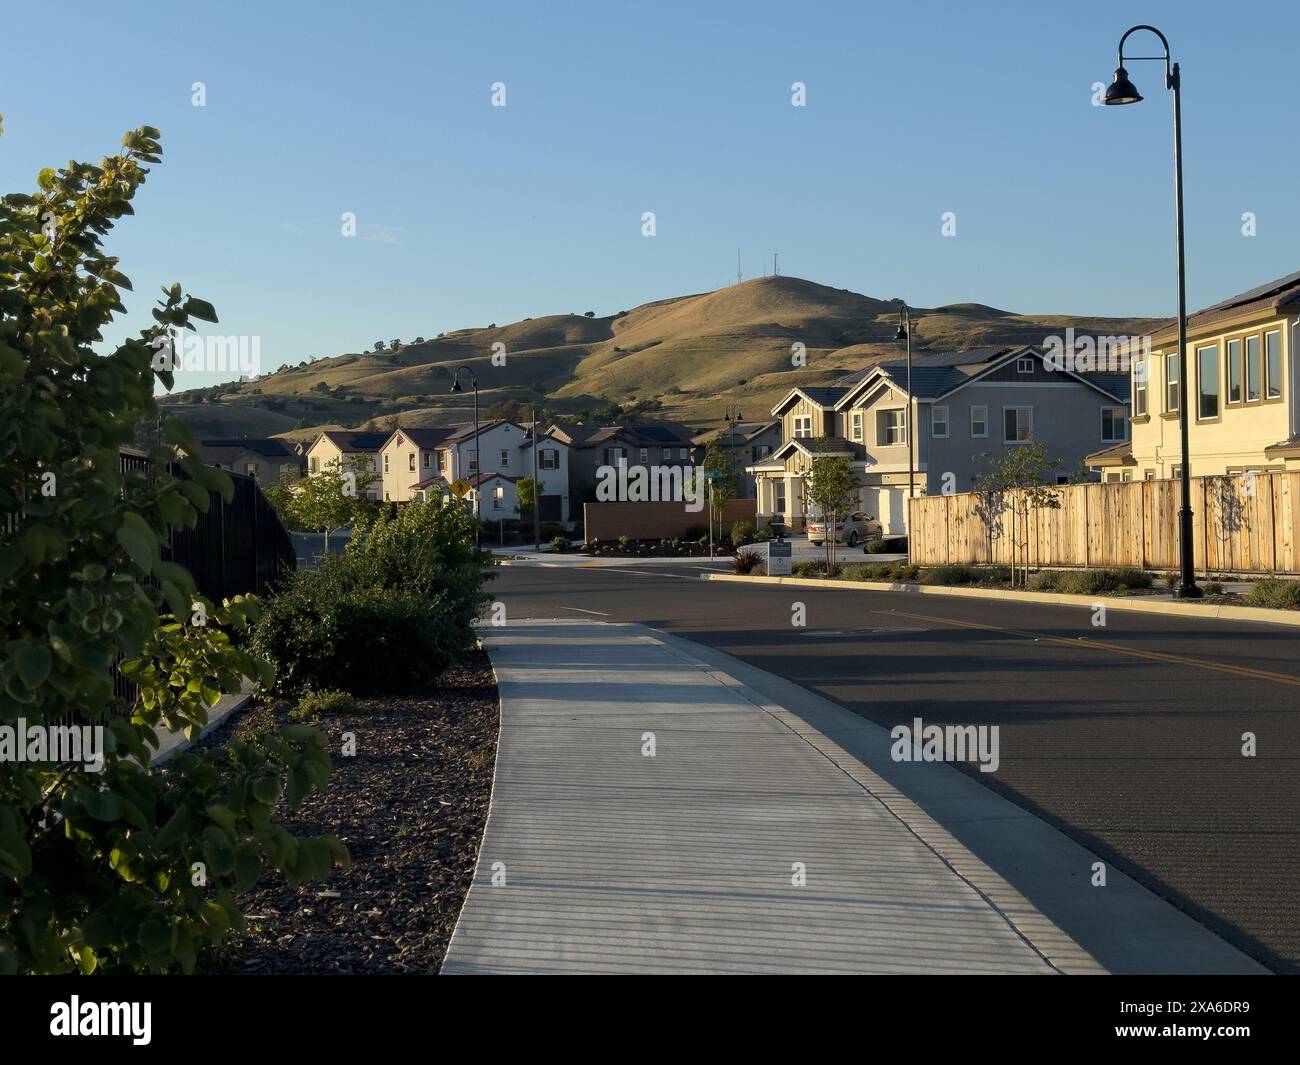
pixel 1213 588
pixel 875 547
pixel 313 704
pixel 1275 593
pixel 97 868
pixel 698 533
pixel 322 631
pixel 1089 581
pixel 560 545
pixel 623 541
pixel 763 533
pixel 1171 580
pixel 818 570
pixel 746 561
pixel 950 575
pixel 742 533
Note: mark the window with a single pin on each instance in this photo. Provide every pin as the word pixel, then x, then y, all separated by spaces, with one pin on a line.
pixel 1175 471
pixel 1017 423
pixel 890 428
pixel 979 422
pixel 251 469
pixel 1254 371
pixel 1173 366
pixel 939 422
pixel 683 454
pixel 1234 372
pixel 614 456
pixel 1025 365
pixel 505 458
pixel 473 462
pixel 803 425
pixel 315 464
pixel 548 459
pixel 1207 381
pixel 410 465
pixel 1062 478
pixel 1273 364
pixel 780 496
pixel 385 463
pixel 855 425
pixel 761 451
pixel 644 455
pixel 1148 475
pixel 425 459
pixel 1139 388
pixel 1112 424
pixel 499 498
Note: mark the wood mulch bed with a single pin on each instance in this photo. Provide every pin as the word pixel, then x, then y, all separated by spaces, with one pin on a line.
pixel 410 806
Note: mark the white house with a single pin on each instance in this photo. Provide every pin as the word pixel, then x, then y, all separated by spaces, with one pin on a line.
pixel 552 473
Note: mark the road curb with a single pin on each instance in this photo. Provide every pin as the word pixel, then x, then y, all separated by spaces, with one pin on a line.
pixel 1264 615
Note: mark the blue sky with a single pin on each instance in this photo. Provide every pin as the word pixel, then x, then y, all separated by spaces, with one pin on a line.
pixel 469 214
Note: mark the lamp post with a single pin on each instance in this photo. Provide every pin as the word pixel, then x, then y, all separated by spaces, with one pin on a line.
pixel 905 333
pixel 1123 91
pixel 478 466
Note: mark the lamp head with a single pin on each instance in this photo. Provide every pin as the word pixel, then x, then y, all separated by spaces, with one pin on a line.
pixel 455 385
pixel 1121 90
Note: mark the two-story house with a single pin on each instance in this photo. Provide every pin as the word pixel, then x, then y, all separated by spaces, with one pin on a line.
pixel 269 460
pixel 552 472
pixel 632 443
pixel 745 443
pixel 349 450
pixel 411 458
pixel 1241 391
pixel 962 405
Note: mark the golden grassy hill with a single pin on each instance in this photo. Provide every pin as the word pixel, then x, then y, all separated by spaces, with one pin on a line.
pixel 691 355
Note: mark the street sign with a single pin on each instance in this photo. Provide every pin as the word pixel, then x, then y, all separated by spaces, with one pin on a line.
pixel 460 488
pixel 780 558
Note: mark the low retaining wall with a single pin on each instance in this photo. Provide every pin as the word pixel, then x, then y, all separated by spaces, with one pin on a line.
pixel 657 521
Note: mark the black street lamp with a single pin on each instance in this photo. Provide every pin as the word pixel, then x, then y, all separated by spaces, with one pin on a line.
pixel 905 333
pixel 1123 91
pixel 478 466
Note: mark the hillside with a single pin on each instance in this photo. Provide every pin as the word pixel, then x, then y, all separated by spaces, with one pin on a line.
pixel 685 358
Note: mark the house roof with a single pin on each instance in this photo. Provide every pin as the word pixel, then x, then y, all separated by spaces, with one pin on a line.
pixel 742 432
pixel 477 479
pixel 466 430
pixel 1280 294
pixel 425 438
pixel 268 447
pixel 349 441
pixel 1115 455
pixel 831 445
pixel 659 434
pixel 1289 446
pixel 429 481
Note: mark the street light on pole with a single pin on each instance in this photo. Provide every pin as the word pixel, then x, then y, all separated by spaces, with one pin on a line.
pixel 478 466
pixel 1123 91
pixel 905 333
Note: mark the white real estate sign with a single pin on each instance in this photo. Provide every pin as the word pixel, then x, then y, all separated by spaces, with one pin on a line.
pixel 780 558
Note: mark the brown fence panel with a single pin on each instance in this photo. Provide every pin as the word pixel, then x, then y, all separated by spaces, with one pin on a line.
pixel 1240 525
pixel 657 520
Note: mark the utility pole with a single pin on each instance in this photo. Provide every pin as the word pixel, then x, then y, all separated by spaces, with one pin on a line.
pixel 739 276
pixel 776 264
pixel 537 491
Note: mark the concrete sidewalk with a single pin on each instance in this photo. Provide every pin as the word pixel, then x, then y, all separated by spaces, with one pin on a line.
pixel 685 862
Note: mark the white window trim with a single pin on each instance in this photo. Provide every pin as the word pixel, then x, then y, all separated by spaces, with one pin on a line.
pixel 985 419
pixel 934 419
pixel 1025 364
pixel 1119 411
pixel 803 422
pixel 1004 425
pixel 882 427
pixel 855 425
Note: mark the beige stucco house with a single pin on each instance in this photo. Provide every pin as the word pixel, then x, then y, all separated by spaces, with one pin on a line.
pixel 411 462
pixel 349 450
pixel 1244 405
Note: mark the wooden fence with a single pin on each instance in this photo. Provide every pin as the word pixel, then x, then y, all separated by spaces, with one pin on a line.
pixel 1241 524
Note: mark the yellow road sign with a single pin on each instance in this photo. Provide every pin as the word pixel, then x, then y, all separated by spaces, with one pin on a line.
pixel 460 488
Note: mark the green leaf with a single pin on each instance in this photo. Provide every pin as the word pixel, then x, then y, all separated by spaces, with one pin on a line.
pixel 139 541
pixel 201 309
pixel 102 805
pixel 15 855
pixel 33 662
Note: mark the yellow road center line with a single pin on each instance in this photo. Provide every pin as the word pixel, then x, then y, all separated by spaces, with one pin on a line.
pixel 1088 642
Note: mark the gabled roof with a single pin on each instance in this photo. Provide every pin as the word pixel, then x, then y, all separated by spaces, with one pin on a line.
pixel 477 479
pixel 1115 455
pixel 348 441
pixel 824 397
pixel 423 438
pixel 831 445
pixel 1281 294
pixel 551 434
pixel 742 432
pixel 642 434
pixel 466 430
pixel 268 447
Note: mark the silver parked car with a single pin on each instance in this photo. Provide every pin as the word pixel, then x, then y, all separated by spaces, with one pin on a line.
pixel 853 530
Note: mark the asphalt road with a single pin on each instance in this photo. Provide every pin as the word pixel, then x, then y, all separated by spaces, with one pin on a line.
pixel 1128 737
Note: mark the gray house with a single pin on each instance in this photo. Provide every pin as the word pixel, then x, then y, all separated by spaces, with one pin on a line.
pixel 632 443
pixel 746 443
pixel 964 403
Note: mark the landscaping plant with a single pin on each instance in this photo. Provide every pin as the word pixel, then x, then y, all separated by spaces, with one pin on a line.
pixel 127 868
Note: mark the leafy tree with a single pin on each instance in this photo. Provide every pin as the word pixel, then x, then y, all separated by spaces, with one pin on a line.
pixel 326 501
pixel 129 868
pixel 831 491
pixel 526 491
pixel 1017 480
pixel 723 483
